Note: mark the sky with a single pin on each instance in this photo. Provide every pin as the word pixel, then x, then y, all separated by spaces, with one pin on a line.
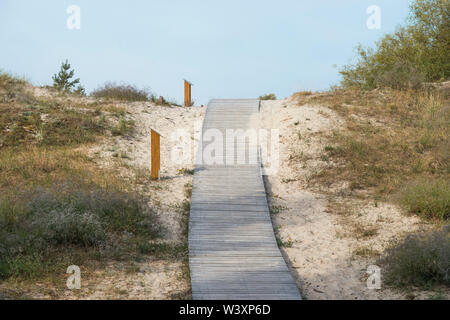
pixel 226 48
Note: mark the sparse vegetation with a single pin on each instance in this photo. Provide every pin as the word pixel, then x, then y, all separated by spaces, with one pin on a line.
pixel 57 206
pixel 421 260
pixel 284 244
pixel 123 92
pixel 302 94
pixel 365 252
pixel 123 127
pixel 427 198
pixel 276 209
pixel 186 205
pixel 130 93
pixel 269 96
pixel 13 89
pixel 10 83
pixel 47 123
pixel 363 232
pixel 188 190
pixel 186 171
pixel 379 162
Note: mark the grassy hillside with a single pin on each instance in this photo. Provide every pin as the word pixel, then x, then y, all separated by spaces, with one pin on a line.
pixel 395 141
pixel 57 206
pixel 394 147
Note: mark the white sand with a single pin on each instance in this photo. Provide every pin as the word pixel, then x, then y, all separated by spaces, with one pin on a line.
pixel 321 244
pixel 156 279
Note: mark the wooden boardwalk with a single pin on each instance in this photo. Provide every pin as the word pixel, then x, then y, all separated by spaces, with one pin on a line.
pixel 233 253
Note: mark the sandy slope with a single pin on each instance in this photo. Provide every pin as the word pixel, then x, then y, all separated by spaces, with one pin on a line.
pixel 151 278
pixel 166 121
pixel 320 244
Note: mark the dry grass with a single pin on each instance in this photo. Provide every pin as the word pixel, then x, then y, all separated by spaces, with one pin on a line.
pixel 361 231
pixel 130 93
pixel 365 252
pixel 393 147
pixel 40 166
pixel 302 94
pixel 57 206
pixel 391 137
pixel 427 198
pixel 122 92
pixel 115 109
pixel 13 89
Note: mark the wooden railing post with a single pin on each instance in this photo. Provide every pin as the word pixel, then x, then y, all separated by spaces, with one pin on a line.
pixel 156 160
pixel 187 93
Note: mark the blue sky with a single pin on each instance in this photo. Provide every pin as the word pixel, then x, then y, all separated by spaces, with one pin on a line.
pixel 227 48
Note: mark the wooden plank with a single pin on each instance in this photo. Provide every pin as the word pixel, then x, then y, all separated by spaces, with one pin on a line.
pixel 155 154
pixel 187 94
pixel 233 253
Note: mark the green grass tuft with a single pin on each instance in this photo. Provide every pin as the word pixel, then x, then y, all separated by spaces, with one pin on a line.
pixel 427 198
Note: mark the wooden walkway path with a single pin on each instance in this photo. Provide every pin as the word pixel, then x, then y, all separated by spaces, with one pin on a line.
pixel 233 253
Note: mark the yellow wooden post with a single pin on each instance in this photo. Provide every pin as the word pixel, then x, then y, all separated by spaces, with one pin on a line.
pixel 156 160
pixel 187 94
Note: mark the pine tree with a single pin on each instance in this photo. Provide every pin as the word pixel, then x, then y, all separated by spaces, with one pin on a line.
pixel 62 81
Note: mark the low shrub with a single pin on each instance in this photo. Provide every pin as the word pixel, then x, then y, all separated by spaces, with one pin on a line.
pixel 269 96
pixel 68 226
pixel 421 259
pixel 124 92
pixel 186 171
pixel 68 215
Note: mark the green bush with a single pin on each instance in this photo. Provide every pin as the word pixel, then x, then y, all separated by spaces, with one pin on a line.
pixel 410 56
pixel 70 226
pixel 419 260
pixel 26 266
pixel 427 198
pixel 67 215
pixel 269 96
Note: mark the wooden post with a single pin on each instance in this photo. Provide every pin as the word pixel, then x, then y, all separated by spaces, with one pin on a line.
pixel 156 160
pixel 187 94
